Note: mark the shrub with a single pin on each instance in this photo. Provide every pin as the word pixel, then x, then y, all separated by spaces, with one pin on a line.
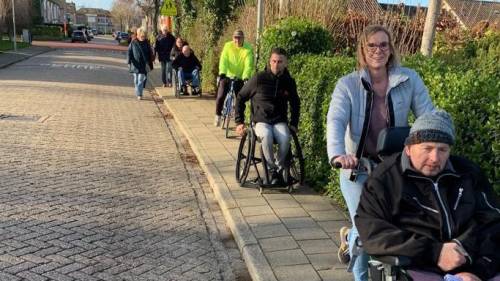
pixel 316 76
pixel 296 36
pixel 47 32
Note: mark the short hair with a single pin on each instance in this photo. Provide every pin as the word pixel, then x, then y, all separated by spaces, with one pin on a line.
pixel 142 30
pixel 363 40
pixel 278 51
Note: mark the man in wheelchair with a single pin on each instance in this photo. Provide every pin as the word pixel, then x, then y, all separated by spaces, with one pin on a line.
pixel 188 68
pixel 271 91
pixel 437 211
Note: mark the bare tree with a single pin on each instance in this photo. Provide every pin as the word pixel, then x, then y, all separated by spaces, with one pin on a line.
pixel 23 15
pixel 151 9
pixel 125 13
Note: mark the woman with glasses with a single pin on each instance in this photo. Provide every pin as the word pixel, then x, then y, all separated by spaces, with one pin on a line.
pixel 379 94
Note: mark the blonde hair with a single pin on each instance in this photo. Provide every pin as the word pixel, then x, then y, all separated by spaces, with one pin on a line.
pixel 141 30
pixel 363 40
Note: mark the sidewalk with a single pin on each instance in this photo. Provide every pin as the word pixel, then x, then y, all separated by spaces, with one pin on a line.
pixel 282 237
pixel 10 57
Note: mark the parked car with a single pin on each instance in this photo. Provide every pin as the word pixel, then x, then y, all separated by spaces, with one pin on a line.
pixel 122 36
pixel 78 35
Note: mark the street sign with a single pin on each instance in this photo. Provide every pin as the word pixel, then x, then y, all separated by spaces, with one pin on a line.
pixel 168 8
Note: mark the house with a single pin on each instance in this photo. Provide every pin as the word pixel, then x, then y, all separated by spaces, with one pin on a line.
pixel 53 11
pixel 369 7
pixel 469 13
pixel 98 19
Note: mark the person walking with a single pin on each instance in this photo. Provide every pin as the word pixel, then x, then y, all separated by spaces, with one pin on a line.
pixel 177 48
pixel 163 46
pixel 236 63
pixel 357 115
pixel 140 58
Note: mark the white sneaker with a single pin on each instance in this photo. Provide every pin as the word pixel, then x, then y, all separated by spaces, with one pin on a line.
pixel 139 97
pixel 217 120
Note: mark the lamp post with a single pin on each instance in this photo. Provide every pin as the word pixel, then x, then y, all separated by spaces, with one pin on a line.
pixel 14 22
pixel 260 23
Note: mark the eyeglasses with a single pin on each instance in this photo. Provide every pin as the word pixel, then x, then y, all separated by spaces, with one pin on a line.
pixel 372 47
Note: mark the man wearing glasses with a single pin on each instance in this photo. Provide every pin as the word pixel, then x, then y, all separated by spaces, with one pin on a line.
pixel 236 63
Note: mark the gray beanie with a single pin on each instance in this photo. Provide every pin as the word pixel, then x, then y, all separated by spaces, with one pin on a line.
pixel 434 126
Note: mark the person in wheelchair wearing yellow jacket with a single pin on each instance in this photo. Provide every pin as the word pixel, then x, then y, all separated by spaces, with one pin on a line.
pixel 271 91
pixel 437 210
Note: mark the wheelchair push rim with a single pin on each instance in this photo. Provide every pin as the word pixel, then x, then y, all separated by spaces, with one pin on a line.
pixel 245 155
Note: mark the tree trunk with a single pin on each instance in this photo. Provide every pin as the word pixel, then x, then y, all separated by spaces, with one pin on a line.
pixel 430 27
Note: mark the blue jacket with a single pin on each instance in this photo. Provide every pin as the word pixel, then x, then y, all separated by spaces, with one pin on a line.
pixel 139 54
pixel 346 114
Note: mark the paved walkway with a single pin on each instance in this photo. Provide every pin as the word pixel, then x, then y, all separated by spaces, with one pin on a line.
pixel 281 236
pixel 10 57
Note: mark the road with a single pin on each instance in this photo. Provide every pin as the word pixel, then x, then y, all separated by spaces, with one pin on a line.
pixel 96 185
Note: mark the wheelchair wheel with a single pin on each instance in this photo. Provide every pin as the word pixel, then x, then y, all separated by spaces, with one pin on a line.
pixel 296 164
pixel 245 156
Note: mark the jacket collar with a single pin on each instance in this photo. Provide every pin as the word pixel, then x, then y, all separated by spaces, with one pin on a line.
pixel 396 76
pixel 406 166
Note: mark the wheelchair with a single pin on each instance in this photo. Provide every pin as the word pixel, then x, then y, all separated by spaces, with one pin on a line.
pixel 178 86
pixel 385 268
pixel 246 159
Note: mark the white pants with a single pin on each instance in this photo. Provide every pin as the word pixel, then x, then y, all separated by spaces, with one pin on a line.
pixel 267 133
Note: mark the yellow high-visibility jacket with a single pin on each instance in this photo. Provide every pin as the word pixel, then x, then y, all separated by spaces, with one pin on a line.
pixel 236 62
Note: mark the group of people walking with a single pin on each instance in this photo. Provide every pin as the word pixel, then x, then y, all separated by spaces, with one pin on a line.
pixel 435 209
pixel 172 53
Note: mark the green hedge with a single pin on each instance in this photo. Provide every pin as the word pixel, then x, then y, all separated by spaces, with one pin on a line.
pixel 41 31
pixel 316 76
pixel 296 36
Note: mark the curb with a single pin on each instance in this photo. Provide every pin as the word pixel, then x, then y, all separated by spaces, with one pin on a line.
pixel 257 264
pixel 23 57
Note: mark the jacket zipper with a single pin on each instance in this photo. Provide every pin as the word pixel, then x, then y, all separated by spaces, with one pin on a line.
pixel 460 190
pixel 488 203
pixel 436 189
pixel 425 207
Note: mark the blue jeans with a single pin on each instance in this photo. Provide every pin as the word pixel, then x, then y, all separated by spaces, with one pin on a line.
pixel 166 72
pixel 139 79
pixel 267 134
pixel 352 192
pixel 194 76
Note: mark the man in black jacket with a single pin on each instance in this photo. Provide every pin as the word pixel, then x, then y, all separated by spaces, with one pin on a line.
pixel 271 91
pixel 438 210
pixel 188 68
pixel 164 43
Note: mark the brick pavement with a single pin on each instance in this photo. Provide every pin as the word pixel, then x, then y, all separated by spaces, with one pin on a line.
pixel 93 187
pixel 282 237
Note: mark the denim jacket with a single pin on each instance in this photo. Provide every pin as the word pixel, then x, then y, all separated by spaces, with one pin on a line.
pixel 347 110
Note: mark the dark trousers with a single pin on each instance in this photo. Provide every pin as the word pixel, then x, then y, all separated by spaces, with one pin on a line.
pixel 166 72
pixel 222 91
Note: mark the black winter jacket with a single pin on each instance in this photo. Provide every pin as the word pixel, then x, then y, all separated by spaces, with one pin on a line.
pixel 188 64
pixel 270 96
pixel 163 46
pixel 139 54
pixel 404 213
